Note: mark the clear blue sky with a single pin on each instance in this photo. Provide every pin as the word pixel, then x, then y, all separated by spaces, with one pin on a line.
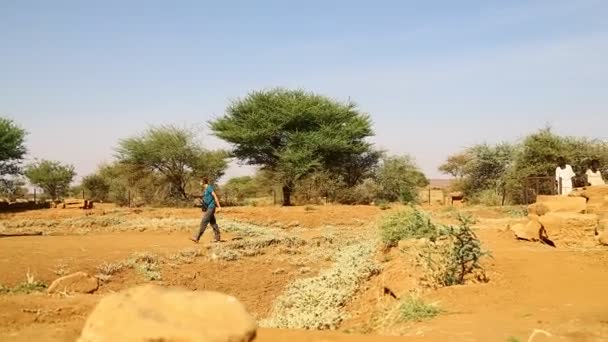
pixel 436 76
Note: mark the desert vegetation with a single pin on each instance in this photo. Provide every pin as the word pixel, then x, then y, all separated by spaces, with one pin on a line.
pixel 329 233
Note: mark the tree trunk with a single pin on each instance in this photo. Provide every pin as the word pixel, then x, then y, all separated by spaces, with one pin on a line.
pixel 286 195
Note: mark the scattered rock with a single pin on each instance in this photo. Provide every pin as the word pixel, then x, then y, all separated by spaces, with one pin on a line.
pixel 569 229
pixel 602 239
pixel 79 282
pixel 557 204
pixel 172 315
pixel 529 231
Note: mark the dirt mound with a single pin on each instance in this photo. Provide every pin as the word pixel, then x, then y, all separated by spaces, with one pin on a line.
pixel 173 315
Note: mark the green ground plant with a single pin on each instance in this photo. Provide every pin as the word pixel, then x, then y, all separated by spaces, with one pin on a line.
pixel 455 257
pixel 412 224
pixel 30 285
pixel 413 308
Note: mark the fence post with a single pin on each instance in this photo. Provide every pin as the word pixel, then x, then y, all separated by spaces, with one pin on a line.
pixel 429 195
pixel 34 195
pixel 560 189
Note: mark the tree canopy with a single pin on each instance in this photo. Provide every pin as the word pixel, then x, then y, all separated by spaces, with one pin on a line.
pixel 174 155
pixel 499 172
pixel 294 133
pixel 12 150
pixel 52 176
pixel 399 178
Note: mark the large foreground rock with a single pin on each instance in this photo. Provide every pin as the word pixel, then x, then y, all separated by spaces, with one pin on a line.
pixel 79 282
pixel 570 229
pixel 558 204
pixel 152 313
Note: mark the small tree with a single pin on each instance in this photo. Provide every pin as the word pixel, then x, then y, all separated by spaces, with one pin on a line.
pixel 52 176
pixel 240 188
pixel 399 178
pixel 483 170
pixel 174 154
pixel 294 133
pixel 97 186
pixel 456 165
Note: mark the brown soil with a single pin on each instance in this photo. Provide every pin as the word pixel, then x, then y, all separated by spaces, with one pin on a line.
pixel 531 286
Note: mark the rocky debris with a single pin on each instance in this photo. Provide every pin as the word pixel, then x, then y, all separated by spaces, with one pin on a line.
pixel 570 229
pixel 596 197
pixel 529 231
pixel 602 238
pixel 558 204
pixel 79 282
pixel 153 313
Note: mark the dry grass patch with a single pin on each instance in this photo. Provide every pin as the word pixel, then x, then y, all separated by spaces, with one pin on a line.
pixel 317 302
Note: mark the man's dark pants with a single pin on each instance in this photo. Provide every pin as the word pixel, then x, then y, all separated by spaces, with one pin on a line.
pixel 209 217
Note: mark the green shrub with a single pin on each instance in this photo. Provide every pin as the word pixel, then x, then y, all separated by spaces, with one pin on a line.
pixel 411 224
pixel 413 308
pixel 409 196
pixel 489 197
pixel 383 204
pixel 455 256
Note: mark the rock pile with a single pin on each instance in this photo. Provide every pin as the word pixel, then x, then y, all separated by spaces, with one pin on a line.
pixel 578 220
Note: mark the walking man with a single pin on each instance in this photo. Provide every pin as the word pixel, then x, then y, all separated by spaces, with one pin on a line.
pixel 210 206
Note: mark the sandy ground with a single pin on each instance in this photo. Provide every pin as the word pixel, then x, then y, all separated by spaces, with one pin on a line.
pixel 531 286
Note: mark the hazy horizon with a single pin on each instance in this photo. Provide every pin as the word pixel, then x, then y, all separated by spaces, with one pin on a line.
pixel 435 77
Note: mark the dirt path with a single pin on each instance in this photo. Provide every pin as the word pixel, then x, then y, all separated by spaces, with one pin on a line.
pixel 44 255
pixel 532 287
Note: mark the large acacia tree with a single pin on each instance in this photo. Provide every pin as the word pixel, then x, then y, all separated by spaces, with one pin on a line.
pixel 173 154
pixel 293 133
pixel 12 150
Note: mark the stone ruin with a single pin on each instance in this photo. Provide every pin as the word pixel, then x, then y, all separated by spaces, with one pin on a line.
pixel 579 220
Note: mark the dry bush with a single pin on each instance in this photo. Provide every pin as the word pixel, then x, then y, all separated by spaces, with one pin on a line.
pixel 225 254
pixel 185 256
pixel 106 270
pixel 147 264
